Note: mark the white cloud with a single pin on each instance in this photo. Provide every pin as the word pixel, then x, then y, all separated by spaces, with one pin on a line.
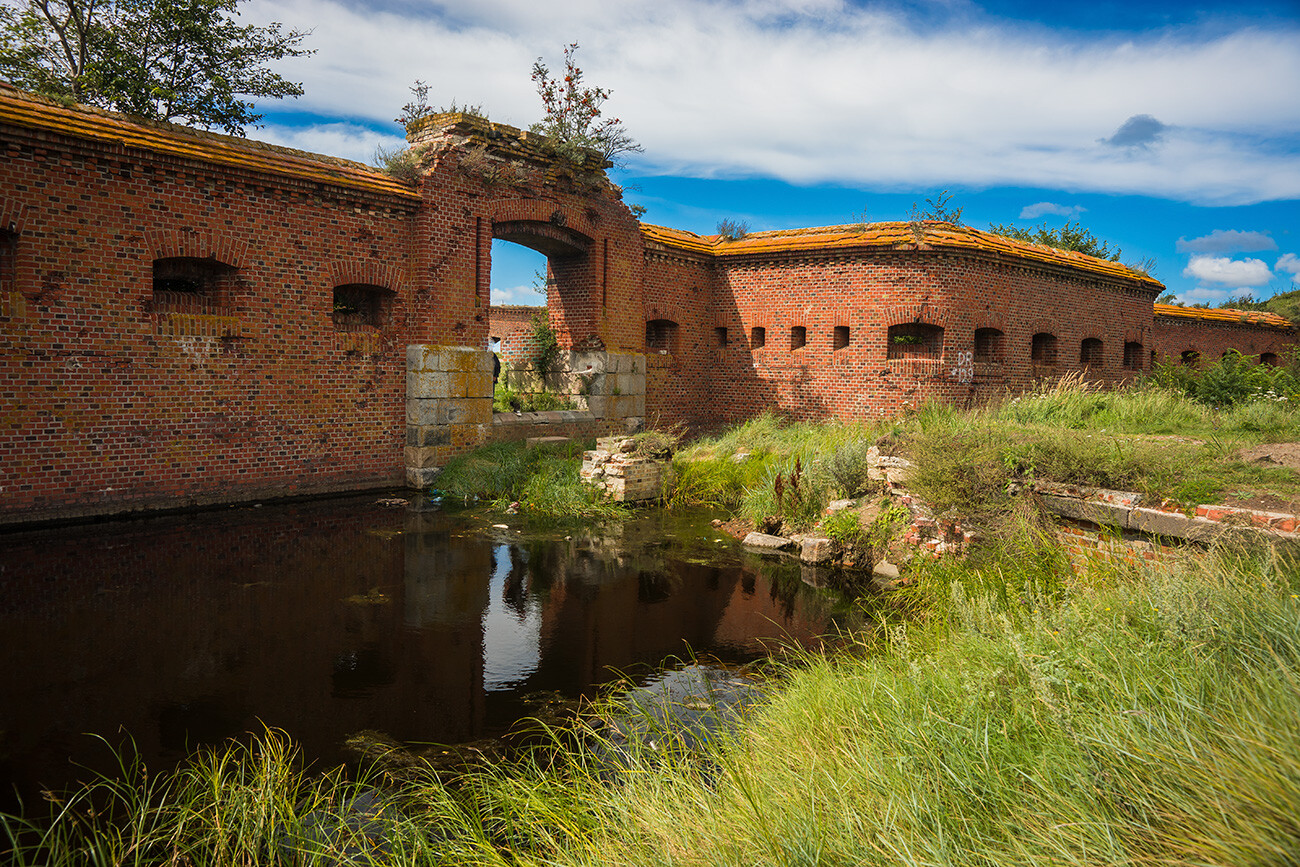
pixel 1227 241
pixel 1289 263
pixel 1206 295
pixel 522 294
pixel 1239 273
pixel 349 141
pixel 823 90
pixel 1034 211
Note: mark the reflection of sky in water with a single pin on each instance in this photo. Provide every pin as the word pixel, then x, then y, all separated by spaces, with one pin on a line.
pixel 511 624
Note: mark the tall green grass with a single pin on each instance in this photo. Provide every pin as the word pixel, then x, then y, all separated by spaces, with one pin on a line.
pixel 544 481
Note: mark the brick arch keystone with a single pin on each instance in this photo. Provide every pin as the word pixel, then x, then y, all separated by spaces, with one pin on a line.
pixel 926 314
pixel 205 243
pixel 383 274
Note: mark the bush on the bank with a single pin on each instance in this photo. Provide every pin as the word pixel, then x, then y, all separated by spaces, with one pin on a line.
pixel 544 480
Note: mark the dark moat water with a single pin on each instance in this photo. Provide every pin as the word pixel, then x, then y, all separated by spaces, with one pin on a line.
pixel 331 617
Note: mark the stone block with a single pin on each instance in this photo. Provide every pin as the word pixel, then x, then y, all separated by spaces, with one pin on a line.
pixel 633 383
pixel 1175 525
pixel 424 411
pixel 421 477
pixel 458 384
pixel 462 359
pixel 478 410
pixel 816 549
pixel 1106 514
pixel 588 363
pixel 426 383
pixel 768 542
pixel 423 457
pixel 598 405
pixel 427 435
pixel 423 357
pixel 480 384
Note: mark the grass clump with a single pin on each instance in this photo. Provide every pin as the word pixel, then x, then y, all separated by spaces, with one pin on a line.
pixel 543 480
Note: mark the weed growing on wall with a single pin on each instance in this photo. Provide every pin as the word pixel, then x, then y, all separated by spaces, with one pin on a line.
pixel 573 124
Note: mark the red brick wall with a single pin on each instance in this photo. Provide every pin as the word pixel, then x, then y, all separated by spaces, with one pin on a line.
pixel 110 404
pixel 1174 336
pixel 682 289
pixel 867 293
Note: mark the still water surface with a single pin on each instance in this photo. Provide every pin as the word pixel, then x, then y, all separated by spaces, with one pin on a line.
pixel 330 617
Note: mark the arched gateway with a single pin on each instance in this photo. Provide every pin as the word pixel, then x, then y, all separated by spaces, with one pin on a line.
pixel 482 181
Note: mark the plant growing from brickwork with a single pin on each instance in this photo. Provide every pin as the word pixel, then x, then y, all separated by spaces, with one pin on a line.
pixel 939 209
pixel 573 125
pixel 733 230
pixel 402 163
pixel 186 60
pixel 419 108
pixel 546 346
pixel 1072 236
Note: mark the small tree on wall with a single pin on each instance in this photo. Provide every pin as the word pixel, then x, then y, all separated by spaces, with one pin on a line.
pixel 573 114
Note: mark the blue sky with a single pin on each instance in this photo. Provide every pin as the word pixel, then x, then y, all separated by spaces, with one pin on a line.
pixel 1170 129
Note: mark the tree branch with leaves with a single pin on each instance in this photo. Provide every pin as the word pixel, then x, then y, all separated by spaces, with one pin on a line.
pixel 186 60
pixel 573 122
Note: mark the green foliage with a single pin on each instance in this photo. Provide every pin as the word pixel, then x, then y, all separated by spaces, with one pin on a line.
pixel 546 345
pixel 544 481
pixel 402 163
pixel 787 492
pixel 182 60
pixel 733 230
pixel 938 209
pixel 1285 304
pixel 1071 236
pixel 1231 380
pixel 848 468
pixel 572 124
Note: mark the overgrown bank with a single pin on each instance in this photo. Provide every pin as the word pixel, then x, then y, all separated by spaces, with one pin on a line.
pixel 1006 709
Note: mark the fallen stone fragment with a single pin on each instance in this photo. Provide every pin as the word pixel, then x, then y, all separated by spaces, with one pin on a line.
pixel 816 549
pixel 763 540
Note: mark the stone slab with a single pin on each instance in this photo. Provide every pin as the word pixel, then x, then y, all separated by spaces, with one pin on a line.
pixel 1160 523
pixel 768 542
pixel 1105 514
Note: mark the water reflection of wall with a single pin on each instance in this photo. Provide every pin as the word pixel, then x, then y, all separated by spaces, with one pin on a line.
pixel 328 618
pixel 195 629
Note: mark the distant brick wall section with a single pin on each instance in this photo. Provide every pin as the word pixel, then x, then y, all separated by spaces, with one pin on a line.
pixel 832 296
pixel 505 320
pixel 1211 333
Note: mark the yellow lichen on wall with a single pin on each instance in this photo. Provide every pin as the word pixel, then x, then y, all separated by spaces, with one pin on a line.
pixel 892 236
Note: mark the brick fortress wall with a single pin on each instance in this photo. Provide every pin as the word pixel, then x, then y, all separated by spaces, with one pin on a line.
pixel 117 398
pixel 122 395
pixel 854 322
